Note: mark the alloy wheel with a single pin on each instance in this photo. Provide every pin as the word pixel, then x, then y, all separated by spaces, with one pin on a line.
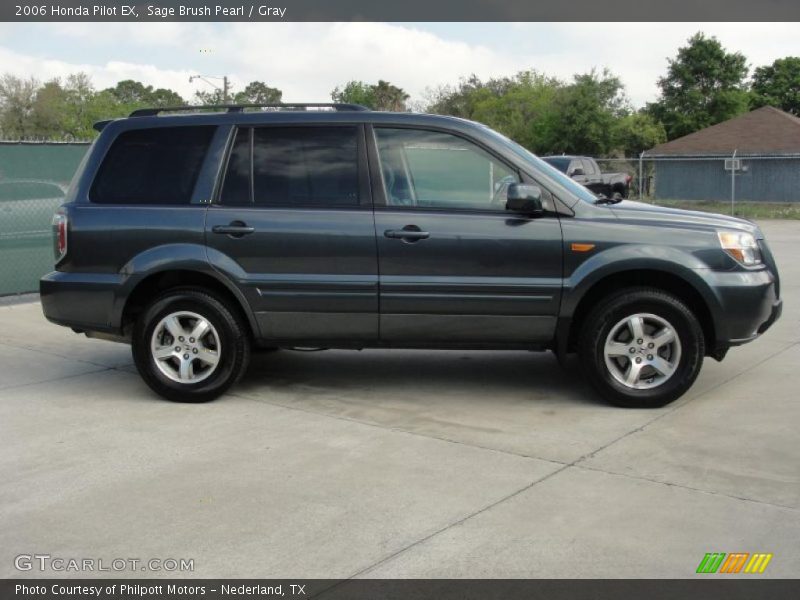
pixel 642 351
pixel 185 347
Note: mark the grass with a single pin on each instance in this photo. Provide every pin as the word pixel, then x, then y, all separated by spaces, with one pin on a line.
pixel 744 209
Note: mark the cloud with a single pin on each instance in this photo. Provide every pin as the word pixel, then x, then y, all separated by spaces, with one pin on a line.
pixel 102 75
pixel 307 60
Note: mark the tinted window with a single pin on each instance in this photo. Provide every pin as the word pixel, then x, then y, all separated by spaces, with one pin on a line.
pixel 152 166
pixel 305 166
pixel 236 187
pixel 439 170
pixel 559 163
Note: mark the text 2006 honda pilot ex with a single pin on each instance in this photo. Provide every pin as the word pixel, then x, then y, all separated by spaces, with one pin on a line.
pixel 197 236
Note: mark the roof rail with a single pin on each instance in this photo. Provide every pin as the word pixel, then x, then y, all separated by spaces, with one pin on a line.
pixel 237 108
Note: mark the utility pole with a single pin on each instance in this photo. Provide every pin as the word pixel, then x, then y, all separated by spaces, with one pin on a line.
pixel 226 85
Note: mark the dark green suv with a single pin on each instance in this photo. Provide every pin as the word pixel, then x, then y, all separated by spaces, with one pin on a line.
pixel 197 236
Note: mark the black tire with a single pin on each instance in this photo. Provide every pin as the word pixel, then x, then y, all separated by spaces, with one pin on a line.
pixel 228 326
pixel 607 316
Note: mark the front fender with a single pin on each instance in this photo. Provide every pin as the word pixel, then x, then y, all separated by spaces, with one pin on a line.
pixel 638 257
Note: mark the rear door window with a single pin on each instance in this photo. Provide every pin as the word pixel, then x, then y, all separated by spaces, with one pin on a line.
pixel 305 166
pixel 152 166
pixel 293 167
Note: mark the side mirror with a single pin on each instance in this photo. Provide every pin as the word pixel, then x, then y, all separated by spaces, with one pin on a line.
pixel 577 172
pixel 524 198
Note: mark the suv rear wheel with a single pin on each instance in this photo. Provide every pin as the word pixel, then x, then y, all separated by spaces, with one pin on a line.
pixel 642 348
pixel 189 346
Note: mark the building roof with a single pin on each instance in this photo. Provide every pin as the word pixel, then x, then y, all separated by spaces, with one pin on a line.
pixel 765 130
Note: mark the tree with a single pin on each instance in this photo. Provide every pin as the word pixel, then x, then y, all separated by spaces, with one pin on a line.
pixel 209 98
pixel 48 110
pixel 129 91
pixel 389 97
pixel 637 132
pixel 380 96
pixel 522 107
pixel 704 85
pixel 17 98
pixel 137 95
pixel 258 92
pixel 355 92
pixel 544 114
pixel 462 100
pixel 587 111
pixel 778 85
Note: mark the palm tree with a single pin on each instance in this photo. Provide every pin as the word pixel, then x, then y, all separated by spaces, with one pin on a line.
pixel 389 97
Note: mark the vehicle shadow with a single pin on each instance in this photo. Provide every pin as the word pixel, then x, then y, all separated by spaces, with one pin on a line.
pixel 419 376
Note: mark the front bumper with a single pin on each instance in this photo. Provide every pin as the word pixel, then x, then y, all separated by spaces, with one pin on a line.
pixel 777 310
pixel 748 305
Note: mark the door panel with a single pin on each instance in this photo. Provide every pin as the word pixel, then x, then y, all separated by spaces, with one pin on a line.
pixel 308 274
pixel 298 236
pixel 455 267
pixel 476 278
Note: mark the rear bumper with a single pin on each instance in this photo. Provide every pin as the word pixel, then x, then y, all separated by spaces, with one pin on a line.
pixel 82 301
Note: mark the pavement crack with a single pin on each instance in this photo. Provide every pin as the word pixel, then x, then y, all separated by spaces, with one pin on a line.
pixel 399 430
pixel 458 522
pixel 680 405
pixel 73 376
pixel 575 463
pixel 57 355
pixel 687 487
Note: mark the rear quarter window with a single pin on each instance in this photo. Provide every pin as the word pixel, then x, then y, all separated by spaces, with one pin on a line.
pixel 152 166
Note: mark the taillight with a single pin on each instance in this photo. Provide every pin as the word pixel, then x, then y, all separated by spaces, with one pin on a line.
pixel 60 234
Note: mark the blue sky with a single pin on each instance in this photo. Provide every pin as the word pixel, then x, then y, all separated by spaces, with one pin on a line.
pixel 307 60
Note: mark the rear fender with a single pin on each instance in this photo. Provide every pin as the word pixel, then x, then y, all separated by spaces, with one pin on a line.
pixel 171 257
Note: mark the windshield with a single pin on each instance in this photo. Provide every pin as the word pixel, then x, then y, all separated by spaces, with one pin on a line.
pixel 566 182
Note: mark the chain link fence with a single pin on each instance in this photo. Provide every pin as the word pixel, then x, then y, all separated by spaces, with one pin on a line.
pixel 34 176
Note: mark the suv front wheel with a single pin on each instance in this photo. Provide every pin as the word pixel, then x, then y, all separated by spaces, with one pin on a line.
pixel 189 346
pixel 641 348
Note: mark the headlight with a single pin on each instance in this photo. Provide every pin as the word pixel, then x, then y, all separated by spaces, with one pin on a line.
pixel 741 246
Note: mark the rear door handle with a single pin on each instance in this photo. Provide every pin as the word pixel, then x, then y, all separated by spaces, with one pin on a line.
pixel 235 229
pixel 409 235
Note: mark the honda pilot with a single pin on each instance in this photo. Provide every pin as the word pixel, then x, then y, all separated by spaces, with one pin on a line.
pixel 201 236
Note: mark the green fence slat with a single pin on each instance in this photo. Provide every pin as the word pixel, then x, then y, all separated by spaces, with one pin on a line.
pixel 33 180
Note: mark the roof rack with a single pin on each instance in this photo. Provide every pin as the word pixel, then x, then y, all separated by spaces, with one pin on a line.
pixel 237 108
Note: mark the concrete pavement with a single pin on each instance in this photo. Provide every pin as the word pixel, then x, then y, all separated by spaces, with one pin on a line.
pixel 398 463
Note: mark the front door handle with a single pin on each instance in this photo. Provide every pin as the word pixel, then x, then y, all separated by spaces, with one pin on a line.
pixel 235 229
pixel 409 233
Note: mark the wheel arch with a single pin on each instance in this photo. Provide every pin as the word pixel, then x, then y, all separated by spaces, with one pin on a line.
pixel 570 324
pixel 160 281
